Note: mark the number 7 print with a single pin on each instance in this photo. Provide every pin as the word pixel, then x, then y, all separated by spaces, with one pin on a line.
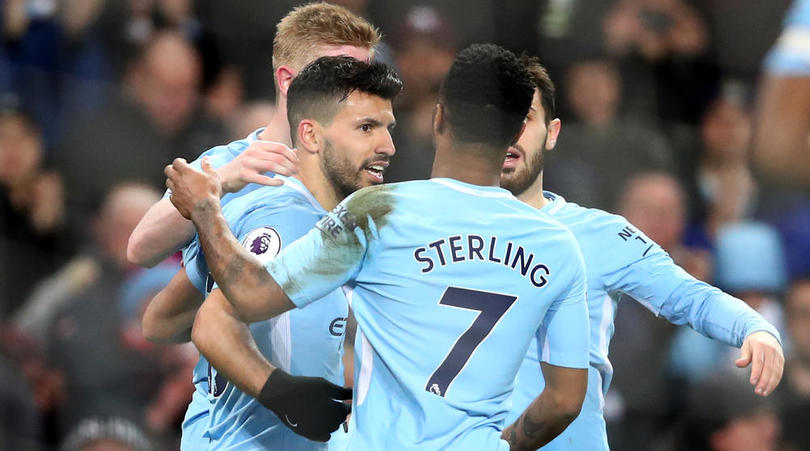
pixel 492 307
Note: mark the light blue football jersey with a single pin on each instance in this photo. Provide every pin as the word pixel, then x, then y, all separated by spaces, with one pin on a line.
pixel 790 56
pixel 449 282
pixel 623 263
pixel 305 342
pixel 196 417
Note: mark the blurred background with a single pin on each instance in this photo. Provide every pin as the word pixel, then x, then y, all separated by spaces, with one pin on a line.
pixel 658 100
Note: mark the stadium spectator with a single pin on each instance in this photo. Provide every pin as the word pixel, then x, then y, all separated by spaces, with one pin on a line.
pixel 136 134
pixel 424 44
pixel 33 236
pixel 106 434
pixel 723 189
pixel 102 375
pixel 30 58
pixel 21 407
pixel 723 414
pixel 601 146
pixel 794 395
pixel 250 117
pixel 660 46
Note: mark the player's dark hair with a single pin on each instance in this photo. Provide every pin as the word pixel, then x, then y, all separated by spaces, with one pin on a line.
pixel 486 95
pixel 321 86
pixel 543 83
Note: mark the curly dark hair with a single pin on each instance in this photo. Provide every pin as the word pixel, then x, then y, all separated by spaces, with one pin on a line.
pixel 486 95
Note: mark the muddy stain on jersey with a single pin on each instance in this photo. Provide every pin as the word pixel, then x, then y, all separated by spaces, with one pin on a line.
pixel 362 215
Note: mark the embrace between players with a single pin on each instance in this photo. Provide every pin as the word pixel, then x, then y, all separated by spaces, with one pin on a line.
pixel 494 346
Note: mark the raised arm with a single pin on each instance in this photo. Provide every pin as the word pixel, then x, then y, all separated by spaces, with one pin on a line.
pixel 548 415
pixel 163 230
pixel 307 405
pixel 170 314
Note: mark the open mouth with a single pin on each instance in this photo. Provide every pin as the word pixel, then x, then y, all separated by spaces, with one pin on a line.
pixel 512 157
pixel 376 171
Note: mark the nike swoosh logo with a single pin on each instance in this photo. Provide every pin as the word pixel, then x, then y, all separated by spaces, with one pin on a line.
pixel 292 425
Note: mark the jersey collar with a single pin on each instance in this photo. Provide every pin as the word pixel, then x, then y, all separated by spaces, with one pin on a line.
pixel 475 190
pixel 555 204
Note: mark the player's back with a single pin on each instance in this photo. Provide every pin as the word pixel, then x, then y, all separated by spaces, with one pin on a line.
pixel 455 283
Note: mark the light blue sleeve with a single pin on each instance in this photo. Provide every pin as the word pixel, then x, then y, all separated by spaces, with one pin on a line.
pixel 790 55
pixel 266 229
pixel 640 269
pixel 327 257
pixel 196 268
pixel 564 336
pixel 217 156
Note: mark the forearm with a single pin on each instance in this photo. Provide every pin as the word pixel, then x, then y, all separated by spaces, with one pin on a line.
pixel 225 340
pixel 160 233
pixel 170 314
pixel 541 422
pixel 551 412
pixel 241 277
pixel 168 327
pixel 715 314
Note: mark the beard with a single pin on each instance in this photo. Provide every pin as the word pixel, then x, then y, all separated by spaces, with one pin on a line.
pixel 517 180
pixel 339 170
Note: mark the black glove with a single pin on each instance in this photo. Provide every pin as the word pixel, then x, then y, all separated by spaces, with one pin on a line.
pixel 309 406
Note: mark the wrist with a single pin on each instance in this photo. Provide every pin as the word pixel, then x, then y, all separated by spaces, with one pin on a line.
pixel 225 182
pixel 205 210
pixel 273 389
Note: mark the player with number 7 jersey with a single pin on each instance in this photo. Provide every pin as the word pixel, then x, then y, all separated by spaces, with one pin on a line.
pixel 445 306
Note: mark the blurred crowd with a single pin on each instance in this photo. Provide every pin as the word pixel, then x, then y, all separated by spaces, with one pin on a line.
pixel 657 100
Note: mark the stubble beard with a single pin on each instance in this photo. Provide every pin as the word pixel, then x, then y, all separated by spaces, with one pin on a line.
pixel 519 179
pixel 339 171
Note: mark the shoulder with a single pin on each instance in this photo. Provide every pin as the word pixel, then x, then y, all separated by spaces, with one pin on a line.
pixel 279 204
pixel 222 154
pixel 581 219
pixel 374 203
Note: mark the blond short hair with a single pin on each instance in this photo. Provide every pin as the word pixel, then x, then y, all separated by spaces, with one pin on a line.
pixel 302 33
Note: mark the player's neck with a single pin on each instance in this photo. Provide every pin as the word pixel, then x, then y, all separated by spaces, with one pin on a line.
pixel 312 176
pixel 278 129
pixel 533 195
pixel 468 163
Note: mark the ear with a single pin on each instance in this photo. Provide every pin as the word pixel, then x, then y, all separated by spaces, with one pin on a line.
pixel 438 119
pixel 308 136
pixel 284 77
pixel 520 132
pixel 553 132
pixel 718 439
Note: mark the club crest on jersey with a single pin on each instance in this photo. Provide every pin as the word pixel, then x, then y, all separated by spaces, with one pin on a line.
pixel 264 243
